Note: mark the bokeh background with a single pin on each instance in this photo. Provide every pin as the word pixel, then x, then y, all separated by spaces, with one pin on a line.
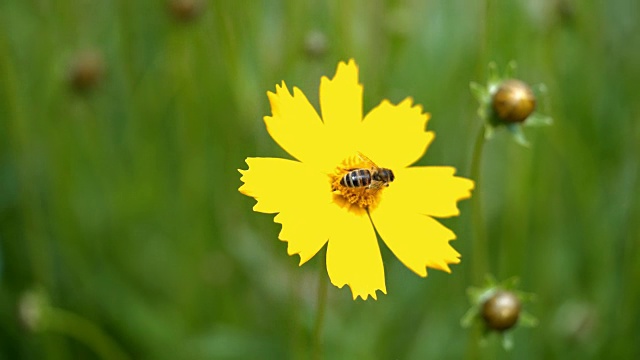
pixel 123 124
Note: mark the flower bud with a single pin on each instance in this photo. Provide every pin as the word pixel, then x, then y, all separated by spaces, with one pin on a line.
pixel 186 10
pixel 316 44
pixel 501 311
pixel 86 70
pixel 514 101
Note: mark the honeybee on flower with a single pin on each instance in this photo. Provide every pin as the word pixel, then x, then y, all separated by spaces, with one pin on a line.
pixel 359 184
pixel 352 178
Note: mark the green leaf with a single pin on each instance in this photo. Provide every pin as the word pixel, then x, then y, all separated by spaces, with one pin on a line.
pixel 475 294
pixel 479 92
pixel 469 317
pixel 507 341
pixel 518 134
pixel 538 119
pixel 539 89
pixel 511 283
pixel 527 320
pixel 488 131
pixel 510 70
pixel 494 76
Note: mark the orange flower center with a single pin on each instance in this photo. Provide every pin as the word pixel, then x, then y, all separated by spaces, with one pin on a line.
pixel 359 181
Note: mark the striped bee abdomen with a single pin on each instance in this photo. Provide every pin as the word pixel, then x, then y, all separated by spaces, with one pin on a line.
pixel 356 178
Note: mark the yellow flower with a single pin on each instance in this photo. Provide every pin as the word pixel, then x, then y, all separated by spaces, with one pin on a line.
pixel 316 206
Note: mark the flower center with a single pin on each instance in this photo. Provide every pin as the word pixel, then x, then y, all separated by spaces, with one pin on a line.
pixel 358 180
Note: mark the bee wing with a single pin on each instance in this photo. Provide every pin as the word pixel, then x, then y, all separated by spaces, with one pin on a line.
pixel 367 161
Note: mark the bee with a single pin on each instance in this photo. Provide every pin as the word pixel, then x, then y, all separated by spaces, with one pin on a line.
pixel 372 177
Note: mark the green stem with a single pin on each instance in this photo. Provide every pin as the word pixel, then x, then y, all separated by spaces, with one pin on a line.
pixel 479 246
pixel 84 331
pixel 480 259
pixel 480 252
pixel 321 307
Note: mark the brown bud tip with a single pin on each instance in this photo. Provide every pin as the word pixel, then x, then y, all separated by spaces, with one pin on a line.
pixel 186 10
pixel 501 311
pixel 86 70
pixel 514 101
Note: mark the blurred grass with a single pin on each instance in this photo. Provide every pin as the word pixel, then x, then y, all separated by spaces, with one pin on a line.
pixel 120 201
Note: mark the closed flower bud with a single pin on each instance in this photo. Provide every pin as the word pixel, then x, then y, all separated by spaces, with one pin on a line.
pixel 86 70
pixel 514 101
pixel 508 103
pixel 186 10
pixel 501 311
pixel 316 44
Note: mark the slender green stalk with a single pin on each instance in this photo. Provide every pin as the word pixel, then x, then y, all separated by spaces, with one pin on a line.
pixel 85 332
pixel 480 261
pixel 480 253
pixel 320 310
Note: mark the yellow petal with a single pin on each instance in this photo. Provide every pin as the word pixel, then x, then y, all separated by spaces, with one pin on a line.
pixel 428 190
pixel 417 240
pixel 394 136
pixel 299 193
pixel 353 255
pixel 296 126
pixel 341 99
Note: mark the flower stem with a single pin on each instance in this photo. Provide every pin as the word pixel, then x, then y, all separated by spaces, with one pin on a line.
pixel 84 331
pixel 320 310
pixel 480 253
pixel 479 244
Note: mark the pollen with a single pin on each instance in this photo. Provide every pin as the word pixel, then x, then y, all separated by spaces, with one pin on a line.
pixel 364 195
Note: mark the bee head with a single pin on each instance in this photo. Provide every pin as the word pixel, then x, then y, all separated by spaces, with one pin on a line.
pixel 384 175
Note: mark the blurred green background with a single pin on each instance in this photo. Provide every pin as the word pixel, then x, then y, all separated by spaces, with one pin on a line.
pixel 123 124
